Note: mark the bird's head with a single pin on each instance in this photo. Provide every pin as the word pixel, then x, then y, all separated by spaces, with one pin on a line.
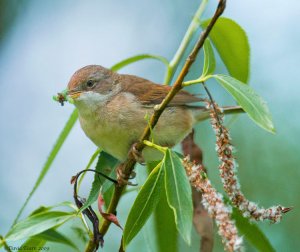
pixel 92 84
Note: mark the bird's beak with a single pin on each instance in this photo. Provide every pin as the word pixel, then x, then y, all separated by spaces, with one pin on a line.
pixel 74 94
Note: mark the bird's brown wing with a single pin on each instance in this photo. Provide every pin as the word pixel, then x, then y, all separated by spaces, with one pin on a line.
pixel 150 93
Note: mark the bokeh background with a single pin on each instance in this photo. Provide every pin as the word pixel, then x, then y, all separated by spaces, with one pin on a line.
pixel 43 42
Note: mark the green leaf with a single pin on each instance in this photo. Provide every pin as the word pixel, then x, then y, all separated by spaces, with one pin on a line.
pixel 81 234
pixel 56 148
pixel 109 165
pixel 52 235
pixel 106 163
pixel 209 65
pixel 252 232
pixel 38 223
pixel 148 234
pixel 107 193
pixel 166 233
pixel 40 210
pixel 144 204
pixel 136 58
pixel 34 242
pixel 249 100
pixel 232 44
pixel 179 194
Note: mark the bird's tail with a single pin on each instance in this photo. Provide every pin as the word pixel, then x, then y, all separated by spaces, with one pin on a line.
pixel 202 113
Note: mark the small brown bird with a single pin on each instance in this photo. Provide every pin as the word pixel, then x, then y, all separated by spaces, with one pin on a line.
pixel 113 110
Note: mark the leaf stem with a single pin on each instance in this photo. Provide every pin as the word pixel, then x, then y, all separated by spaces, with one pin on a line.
pixel 153 145
pixel 213 105
pixel 201 79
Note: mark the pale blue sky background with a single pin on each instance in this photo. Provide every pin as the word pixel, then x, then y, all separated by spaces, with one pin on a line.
pixel 52 39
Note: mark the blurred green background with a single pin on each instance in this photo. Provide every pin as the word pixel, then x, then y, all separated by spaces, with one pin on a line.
pixel 43 42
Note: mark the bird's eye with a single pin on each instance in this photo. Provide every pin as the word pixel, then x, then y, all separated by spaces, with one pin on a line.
pixel 90 84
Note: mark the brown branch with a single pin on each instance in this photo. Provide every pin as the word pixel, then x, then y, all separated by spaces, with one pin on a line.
pixel 128 165
pixel 203 223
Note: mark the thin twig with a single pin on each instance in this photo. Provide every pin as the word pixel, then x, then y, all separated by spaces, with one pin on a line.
pixel 128 166
pixel 212 103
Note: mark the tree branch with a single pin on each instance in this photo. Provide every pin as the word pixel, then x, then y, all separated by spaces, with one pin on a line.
pixel 128 165
pixel 203 223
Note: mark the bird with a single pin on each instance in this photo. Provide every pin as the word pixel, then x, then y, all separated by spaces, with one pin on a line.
pixel 115 108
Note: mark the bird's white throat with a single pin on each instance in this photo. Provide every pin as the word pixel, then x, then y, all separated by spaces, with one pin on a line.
pixel 91 98
pixel 90 101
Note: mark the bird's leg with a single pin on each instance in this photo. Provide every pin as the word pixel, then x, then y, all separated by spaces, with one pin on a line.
pixel 122 177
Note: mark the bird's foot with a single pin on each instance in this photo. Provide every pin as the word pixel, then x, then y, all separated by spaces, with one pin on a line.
pixel 137 155
pixel 123 178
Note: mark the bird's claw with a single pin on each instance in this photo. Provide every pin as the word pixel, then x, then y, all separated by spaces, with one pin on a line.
pixel 123 178
pixel 137 155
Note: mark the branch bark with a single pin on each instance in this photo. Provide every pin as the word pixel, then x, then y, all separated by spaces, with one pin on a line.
pixel 203 223
pixel 128 165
